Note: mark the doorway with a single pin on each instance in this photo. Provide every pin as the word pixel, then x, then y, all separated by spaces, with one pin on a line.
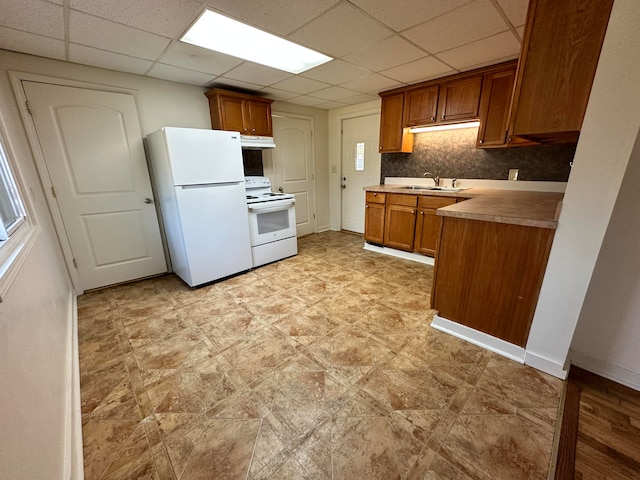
pixel 293 165
pixel 360 167
pixel 91 143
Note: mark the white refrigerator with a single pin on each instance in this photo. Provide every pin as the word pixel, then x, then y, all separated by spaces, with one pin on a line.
pixel 199 178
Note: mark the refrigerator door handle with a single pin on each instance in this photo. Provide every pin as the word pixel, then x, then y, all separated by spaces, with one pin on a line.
pixel 208 185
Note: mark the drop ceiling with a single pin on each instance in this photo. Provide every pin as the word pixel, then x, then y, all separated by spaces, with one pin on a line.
pixel 376 44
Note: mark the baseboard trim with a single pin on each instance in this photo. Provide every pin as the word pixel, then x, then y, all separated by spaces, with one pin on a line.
pixel 605 369
pixel 73 457
pixel 481 339
pixel 545 365
pixel 399 254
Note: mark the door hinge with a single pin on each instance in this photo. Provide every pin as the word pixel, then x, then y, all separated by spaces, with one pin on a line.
pixel 314 216
pixel 29 107
pixel 313 176
pixel 53 192
pixel 75 264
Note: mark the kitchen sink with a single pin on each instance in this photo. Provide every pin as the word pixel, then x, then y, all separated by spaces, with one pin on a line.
pixel 437 189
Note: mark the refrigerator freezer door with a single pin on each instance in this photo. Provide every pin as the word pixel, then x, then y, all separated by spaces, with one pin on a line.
pixel 201 156
pixel 215 231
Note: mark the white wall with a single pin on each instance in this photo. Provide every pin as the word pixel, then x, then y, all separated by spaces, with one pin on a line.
pixel 36 316
pixel 608 331
pixel 335 153
pixel 609 132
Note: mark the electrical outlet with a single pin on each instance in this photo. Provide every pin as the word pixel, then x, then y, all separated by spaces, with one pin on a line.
pixel 513 174
pixel 334 169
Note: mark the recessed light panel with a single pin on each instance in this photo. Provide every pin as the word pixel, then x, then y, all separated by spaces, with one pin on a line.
pixel 222 34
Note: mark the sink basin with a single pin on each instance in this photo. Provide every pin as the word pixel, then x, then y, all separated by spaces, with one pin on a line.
pixel 437 189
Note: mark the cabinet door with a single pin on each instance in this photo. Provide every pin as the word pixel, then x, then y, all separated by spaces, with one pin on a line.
pixel 400 227
pixel 421 106
pixel 393 138
pixel 260 115
pixel 428 224
pixel 497 91
pixel 233 114
pixel 460 100
pixel 374 222
pixel 560 52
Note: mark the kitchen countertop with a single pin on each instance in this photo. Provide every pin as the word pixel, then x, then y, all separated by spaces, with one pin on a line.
pixel 533 209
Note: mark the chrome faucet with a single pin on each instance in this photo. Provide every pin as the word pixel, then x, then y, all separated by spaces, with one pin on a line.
pixel 435 178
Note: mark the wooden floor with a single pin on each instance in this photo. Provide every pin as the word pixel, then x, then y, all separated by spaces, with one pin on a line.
pixel 600 438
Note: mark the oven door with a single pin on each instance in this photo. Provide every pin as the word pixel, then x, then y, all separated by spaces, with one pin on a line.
pixel 272 221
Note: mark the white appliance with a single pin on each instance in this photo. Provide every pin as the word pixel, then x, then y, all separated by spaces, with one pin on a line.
pixel 272 222
pixel 199 179
pixel 252 142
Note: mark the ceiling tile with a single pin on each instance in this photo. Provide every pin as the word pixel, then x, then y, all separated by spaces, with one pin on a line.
pixel 300 85
pixel 200 59
pixel 389 53
pixel 251 72
pixel 33 44
pixel 109 60
pixel 401 16
pixel 223 82
pixel 464 25
pixel 373 84
pixel 308 101
pixel 275 94
pixel 331 105
pixel 334 93
pixel 483 52
pixel 336 72
pixel 95 32
pixel 34 16
pixel 180 75
pixel 516 10
pixel 164 17
pixel 340 31
pixel 361 98
pixel 423 69
pixel 277 16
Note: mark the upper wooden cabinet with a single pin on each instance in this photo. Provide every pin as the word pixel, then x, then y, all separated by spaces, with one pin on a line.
pixel 393 137
pixel 560 52
pixel 460 100
pixel 443 103
pixel 239 112
pixel 497 91
pixel 421 106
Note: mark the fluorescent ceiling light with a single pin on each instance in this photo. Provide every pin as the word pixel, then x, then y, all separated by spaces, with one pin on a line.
pixel 451 126
pixel 222 34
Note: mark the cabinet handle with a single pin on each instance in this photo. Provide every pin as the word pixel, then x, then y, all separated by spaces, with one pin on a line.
pixel 433 119
pixel 366 206
pixel 375 194
pixel 253 129
pixel 443 117
pixel 509 140
pixel 421 213
pixel 481 141
pixel 413 211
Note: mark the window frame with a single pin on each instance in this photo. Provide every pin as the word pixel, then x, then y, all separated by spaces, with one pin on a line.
pixel 24 232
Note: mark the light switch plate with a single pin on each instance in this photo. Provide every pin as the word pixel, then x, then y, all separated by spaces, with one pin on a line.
pixel 513 174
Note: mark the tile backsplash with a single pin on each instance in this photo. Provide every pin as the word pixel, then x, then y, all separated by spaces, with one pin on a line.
pixel 452 154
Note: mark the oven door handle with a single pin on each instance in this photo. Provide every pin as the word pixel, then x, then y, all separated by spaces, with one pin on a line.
pixel 277 208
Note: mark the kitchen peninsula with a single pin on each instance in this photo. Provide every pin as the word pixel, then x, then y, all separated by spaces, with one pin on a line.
pixel 490 258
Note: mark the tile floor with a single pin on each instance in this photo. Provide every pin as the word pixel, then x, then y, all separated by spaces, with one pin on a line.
pixel 321 366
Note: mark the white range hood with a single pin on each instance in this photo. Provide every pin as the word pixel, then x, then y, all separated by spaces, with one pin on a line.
pixel 256 143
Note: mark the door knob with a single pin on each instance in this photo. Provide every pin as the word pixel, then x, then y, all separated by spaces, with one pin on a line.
pixel 343 186
pixel 280 189
pixel 148 200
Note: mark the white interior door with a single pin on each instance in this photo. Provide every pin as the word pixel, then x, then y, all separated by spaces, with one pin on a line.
pixel 360 167
pixel 92 146
pixel 294 170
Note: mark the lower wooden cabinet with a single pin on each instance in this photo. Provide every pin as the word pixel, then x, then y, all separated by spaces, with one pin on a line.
pixel 404 221
pixel 374 216
pixel 488 275
pixel 428 224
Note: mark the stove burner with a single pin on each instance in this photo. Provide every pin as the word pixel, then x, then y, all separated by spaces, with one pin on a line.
pixel 249 197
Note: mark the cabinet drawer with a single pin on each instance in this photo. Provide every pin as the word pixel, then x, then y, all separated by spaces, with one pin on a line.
pixel 375 197
pixel 435 202
pixel 402 199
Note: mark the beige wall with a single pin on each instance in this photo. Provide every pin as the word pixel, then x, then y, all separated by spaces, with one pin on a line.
pixel 36 316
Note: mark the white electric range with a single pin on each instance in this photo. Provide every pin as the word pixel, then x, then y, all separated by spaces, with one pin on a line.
pixel 272 221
